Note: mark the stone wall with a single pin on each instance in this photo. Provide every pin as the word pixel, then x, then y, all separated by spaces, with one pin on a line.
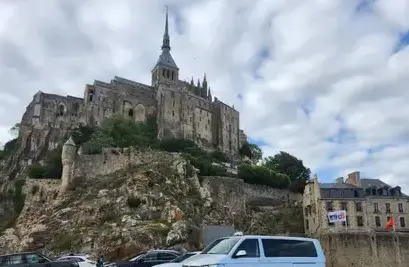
pixel 112 160
pixel 366 249
pixel 232 193
pixel 235 194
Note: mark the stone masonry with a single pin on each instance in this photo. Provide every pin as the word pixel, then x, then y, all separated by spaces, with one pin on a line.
pixel 182 109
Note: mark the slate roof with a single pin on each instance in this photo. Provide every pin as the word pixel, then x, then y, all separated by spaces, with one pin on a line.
pixel 335 185
pixel 166 60
pixel 366 183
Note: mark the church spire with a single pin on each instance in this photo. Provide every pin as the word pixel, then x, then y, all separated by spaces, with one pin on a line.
pixel 166 39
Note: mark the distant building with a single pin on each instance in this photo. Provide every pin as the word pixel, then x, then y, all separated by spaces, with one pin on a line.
pixel 182 109
pixel 369 204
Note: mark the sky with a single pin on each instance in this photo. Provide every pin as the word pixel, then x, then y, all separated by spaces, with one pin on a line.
pixel 326 81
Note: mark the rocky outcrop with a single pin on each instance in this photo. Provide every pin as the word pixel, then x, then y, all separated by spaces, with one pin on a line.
pixel 122 201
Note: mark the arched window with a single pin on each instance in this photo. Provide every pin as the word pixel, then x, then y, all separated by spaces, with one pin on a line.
pixel 61 110
pixel 168 74
pixel 130 113
pixel 173 75
pixel 76 108
pixel 163 73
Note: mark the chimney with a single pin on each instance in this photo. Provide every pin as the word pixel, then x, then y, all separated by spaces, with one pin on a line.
pixel 354 179
pixel 339 180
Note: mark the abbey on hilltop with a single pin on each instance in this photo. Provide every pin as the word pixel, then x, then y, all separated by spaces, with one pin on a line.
pixel 182 109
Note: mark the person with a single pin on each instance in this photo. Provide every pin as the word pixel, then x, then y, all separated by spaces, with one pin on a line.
pixel 100 261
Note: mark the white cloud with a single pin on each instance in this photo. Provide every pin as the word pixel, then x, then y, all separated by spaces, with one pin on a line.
pixel 322 55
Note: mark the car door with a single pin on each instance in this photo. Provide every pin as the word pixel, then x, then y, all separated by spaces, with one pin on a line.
pixel 147 260
pixel 165 257
pixel 18 260
pixel 252 256
pixel 36 260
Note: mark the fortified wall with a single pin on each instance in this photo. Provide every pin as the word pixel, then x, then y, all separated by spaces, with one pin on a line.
pixel 366 249
pixel 232 193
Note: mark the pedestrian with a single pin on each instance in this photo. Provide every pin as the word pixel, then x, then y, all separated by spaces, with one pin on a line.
pixel 100 261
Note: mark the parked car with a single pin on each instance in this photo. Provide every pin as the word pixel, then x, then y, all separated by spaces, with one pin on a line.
pixel 177 262
pixel 33 259
pixel 149 258
pixel 260 251
pixel 83 260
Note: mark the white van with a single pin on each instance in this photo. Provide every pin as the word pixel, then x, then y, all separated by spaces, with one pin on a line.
pixel 261 251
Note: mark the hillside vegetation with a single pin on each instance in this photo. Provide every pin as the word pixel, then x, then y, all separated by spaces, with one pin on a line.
pixel 279 171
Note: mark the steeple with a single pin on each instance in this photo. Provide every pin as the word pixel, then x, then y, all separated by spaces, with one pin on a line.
pixel 209 95
pixel 166 39
pixel 203 92
pixel 165 69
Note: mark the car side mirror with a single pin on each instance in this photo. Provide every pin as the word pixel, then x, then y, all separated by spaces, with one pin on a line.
pixel 240 253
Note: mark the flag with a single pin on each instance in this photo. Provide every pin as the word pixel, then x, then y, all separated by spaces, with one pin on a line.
pixel 337 216
pixel 390 223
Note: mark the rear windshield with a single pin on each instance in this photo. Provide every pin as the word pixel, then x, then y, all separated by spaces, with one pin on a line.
pixel 278 248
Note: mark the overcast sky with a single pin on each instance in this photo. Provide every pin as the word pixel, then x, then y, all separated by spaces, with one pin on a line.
pixel 324 80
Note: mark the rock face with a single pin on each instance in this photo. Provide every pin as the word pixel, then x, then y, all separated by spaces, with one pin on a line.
pixel 123 201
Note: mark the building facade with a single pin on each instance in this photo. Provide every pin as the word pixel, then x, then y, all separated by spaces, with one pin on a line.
pixel 369 204
pixel 182 109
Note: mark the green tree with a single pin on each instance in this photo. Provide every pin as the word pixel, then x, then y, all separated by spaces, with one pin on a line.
pixel 256 152
pixel 253 174
pixel 119 131
pixel 252 151
pixel 82 134
pixel 15 129
pixel 289 165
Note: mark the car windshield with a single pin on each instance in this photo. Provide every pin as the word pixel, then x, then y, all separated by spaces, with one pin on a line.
pixel 183 257
pixel 224 246
pixel 211 245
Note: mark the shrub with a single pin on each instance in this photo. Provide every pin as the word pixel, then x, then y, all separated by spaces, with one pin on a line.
pixel 82 134
pixel 52 166
pixel 261 175
pixel 36 171
pixel 35 189
pixel 118 131
pixel 134 202
pixel 219 156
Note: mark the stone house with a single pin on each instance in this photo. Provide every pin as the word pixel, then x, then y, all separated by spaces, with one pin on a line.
pixel 369 204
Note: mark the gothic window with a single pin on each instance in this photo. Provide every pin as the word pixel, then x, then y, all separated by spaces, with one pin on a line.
pixel 168 74
pixel 173 113
pixel 76 108
pixel 61 110
pixel 130 113
pixel 163 73
pixel 173 74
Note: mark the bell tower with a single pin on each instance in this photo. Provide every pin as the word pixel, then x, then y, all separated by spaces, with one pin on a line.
pixel 165 69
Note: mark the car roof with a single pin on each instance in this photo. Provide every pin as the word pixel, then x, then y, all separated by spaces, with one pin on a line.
pixel 275 237
pixel 21 253
pixel 164 250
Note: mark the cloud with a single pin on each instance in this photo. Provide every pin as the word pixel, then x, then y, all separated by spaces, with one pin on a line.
pixel 323 80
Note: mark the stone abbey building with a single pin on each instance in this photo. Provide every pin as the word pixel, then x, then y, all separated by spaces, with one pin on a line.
pixel 182 109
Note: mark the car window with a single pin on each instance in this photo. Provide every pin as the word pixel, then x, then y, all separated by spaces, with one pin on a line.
pixel 149 257
pixel 18 259
pixel 163 256
pixel 4 260
pixel 289 248
pixel 251 247
pixel 33 258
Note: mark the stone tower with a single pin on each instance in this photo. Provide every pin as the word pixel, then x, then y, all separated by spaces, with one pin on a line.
pixel 165 70
pixel 67 156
